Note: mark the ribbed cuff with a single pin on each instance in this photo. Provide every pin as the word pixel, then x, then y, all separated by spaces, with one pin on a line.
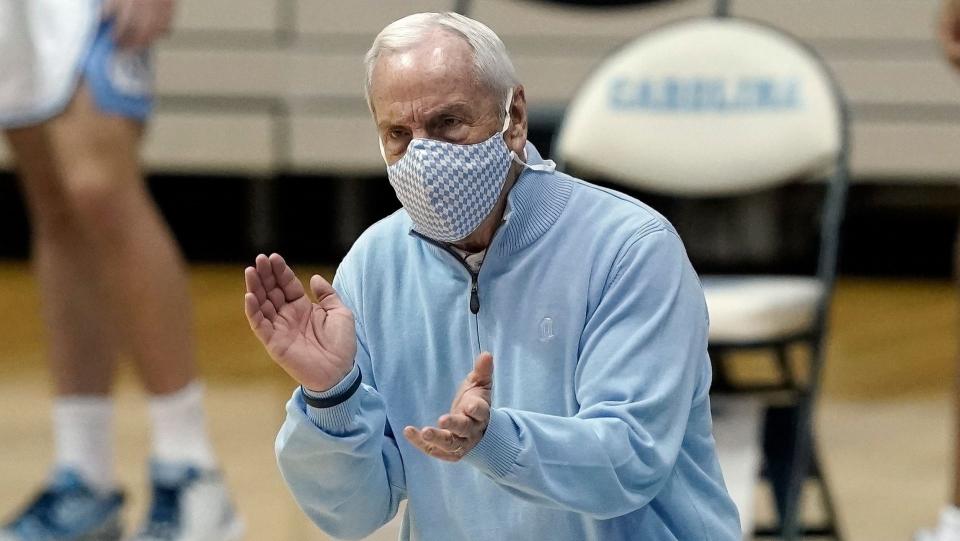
pixel 341 416
pixel 497 452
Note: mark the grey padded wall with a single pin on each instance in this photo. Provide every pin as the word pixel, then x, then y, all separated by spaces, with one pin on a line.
pixel 905 99
pixel 252 86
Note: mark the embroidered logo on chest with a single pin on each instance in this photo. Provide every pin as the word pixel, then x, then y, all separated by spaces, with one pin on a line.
pixel 546 330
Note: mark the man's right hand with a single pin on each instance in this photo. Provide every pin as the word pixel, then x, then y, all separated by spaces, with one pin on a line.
pixel 313 342
pixel 950 31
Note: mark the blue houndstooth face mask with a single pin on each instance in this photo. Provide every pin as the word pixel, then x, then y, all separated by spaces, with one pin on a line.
pixel 449 189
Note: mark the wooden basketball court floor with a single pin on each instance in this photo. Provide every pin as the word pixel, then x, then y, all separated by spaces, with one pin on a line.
pixel 884 422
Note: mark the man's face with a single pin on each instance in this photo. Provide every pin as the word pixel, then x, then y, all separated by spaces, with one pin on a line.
pixel 432 92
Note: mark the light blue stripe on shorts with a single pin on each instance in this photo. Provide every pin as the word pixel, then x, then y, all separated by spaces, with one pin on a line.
pixel 120 81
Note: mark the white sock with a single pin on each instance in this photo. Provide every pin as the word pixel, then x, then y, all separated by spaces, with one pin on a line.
pixel 83 438
pixel 949 527
pixel 179 428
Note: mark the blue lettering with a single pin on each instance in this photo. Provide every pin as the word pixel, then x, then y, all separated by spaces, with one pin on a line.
pixel 704 94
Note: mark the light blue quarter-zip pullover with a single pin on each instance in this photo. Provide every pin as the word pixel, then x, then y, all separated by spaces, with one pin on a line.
pixel 600 427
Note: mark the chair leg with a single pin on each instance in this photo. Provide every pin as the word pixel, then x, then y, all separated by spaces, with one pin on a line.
pixel 777 450
pixel 786 371
pixel 832 525
pixel 797 472
pixel 790 459
pixel 721 376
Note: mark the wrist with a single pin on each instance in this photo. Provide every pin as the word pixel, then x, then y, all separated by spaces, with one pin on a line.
pixel 327 384
pixel 348 385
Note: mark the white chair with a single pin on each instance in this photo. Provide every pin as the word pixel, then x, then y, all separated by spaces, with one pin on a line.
pixel 721 108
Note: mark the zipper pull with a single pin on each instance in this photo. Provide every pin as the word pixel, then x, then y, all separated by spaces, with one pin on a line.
pixel 474 295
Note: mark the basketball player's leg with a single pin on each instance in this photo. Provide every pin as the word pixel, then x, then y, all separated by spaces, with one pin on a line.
pixel 106 259
pixel 141 276
pixel 82 349
pixel 145 293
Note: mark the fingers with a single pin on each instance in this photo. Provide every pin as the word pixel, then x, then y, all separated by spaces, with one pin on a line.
pixel 123 25
pixel 441 444
pixel 138 23
pixel 462 426
pixel 950 38
pixel 261 325
pixel 252 280
pixel 252 309
pixel 479 381
pixel 271 293
pixel 286 279
pixel 950 30
pixel 953 51
pixel 163 17
pixel 138 28
pixel 482 375
pixel 473 405
pixel 264 305
pixel 144 31
pixel 109 9
pixel 271 271
pixel 459 431
pixel 273 284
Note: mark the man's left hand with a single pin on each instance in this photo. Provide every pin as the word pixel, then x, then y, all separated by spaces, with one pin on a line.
pixel 139 22
pixel 460 430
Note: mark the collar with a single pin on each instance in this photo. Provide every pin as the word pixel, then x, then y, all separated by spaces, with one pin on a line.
pixel 535 202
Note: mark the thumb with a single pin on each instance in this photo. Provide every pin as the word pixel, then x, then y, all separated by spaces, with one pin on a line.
pixel 482 374
pixel 324 292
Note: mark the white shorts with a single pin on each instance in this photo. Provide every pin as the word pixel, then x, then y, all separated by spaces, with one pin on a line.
pixel 46 46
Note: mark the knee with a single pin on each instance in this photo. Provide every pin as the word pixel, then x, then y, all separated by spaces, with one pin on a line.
pixel 52 216
pixel 98 203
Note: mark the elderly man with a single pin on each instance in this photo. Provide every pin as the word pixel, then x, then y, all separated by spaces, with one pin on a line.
pixel 517 353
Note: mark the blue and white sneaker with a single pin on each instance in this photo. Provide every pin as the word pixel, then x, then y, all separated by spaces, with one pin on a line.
pixel 189 504
pixel 68 509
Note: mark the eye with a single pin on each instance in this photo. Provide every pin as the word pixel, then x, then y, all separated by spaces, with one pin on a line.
pixel 396 133
pixel 451 122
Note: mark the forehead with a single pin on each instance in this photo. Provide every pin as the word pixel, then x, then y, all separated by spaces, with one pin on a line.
pixel 436 73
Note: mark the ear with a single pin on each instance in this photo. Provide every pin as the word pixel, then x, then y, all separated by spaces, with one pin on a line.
pixel 516 135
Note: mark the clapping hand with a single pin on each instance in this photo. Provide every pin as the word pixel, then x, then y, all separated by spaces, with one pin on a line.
pixel 315 342
pixel 460 430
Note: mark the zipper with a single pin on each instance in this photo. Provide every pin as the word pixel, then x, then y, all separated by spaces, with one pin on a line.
pixel 474 295
pixel 474 276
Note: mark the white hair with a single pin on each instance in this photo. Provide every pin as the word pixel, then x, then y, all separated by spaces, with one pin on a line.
pixel 492 64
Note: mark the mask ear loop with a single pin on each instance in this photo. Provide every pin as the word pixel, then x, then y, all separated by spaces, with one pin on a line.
pixel 383 153
pixel 506 108
pixel 547 165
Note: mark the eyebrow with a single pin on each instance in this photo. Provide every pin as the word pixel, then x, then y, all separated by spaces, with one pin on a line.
pixel 459 107
pixel 456 107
